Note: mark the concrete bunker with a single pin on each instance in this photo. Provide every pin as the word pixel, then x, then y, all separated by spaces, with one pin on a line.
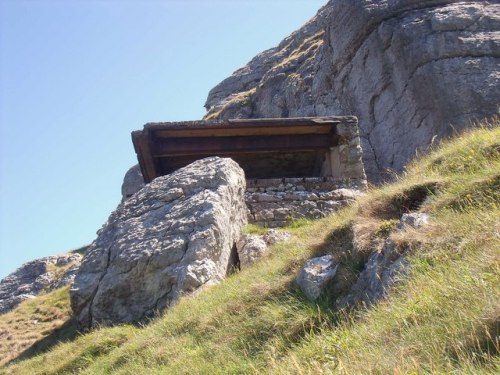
pixel 292 165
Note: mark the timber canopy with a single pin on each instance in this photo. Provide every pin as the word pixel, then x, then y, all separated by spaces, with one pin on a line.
pixel 264 148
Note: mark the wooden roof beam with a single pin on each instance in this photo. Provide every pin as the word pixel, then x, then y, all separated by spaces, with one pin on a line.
pixel 224 145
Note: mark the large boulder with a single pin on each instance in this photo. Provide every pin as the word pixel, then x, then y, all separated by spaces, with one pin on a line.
pixel 175 235
pixel 37 276
pixel 408 69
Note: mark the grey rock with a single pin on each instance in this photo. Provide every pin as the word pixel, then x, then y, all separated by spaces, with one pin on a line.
pixel 414 220
pixel 132 182
pixel 274 236
pixel 408 69
pixel 250 249
pixel 382 271
pixel 384 268
pixel 282 203
pixel 36 276
pixel 315 274
pixel 172 237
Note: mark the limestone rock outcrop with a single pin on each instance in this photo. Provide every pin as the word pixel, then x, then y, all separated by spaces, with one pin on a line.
pixel 36 276
pixel 408 69
pixel 172 237
pixel 384 268
pixel 382 271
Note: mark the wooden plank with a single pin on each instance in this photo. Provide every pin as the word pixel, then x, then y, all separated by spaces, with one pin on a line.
pixel 225 145
pixel 246 122
pixel 263 122
pixel 228 131
pixel 145 157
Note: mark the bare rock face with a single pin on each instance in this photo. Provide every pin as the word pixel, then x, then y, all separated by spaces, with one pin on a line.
pixel 36 276
pixel 408 69
pixel 175 235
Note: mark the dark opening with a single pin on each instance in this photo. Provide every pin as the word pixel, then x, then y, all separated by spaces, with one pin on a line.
pixel 233 265
pixel 261 165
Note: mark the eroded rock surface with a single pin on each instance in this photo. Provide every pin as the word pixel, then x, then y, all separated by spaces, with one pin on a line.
pixel 382 271
pixel 252 247
pixel 170 238
pixel 406 68
pixel 384 268
pixel 36 276
pixel 315 275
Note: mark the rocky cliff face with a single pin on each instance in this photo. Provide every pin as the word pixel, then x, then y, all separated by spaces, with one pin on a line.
pixel 409 69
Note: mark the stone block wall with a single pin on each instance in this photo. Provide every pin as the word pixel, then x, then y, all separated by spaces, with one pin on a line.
pixel 344 161
pixel 277 202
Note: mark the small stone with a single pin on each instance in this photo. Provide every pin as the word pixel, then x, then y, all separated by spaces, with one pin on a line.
pixel 273 236
pixel 315 274
pixel 250 249
pixel 266 197
pixel 415 220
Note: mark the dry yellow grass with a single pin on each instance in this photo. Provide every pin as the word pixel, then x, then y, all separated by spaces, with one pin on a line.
pixel 43 320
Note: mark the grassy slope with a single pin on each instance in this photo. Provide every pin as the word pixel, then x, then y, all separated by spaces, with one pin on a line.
pixel 40 320
pixel 443 319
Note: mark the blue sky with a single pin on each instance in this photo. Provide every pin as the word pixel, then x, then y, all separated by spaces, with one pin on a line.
pixel 76 77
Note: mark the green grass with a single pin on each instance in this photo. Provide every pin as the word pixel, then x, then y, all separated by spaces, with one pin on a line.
pixel 442 319
pixel 254 229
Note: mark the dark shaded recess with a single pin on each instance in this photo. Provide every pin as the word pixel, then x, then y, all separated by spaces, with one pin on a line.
pixel 408 200
pixel 262 165
pixel 233 265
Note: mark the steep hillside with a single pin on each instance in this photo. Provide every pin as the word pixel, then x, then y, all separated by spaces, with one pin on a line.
pixel 406 68
pixel 441 318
